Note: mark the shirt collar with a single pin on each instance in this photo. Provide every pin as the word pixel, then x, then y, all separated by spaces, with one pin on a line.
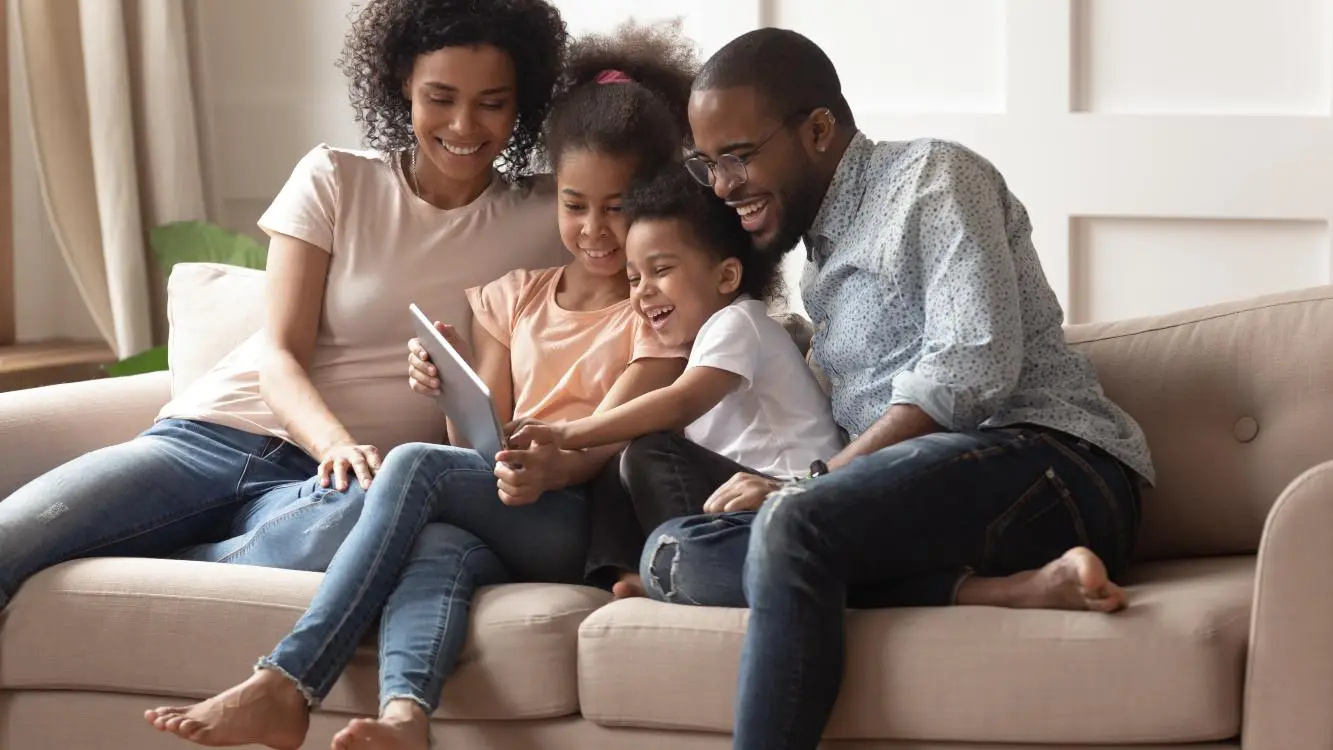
pixel 844 192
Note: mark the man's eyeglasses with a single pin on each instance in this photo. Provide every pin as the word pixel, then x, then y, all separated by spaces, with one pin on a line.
pixel 705 171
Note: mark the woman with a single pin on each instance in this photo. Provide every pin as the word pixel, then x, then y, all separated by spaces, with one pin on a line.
pixel 258 452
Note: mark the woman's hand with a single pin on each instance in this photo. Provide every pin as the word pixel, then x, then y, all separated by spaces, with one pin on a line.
pixel 363 460
pixel 741 492
pixel 422 375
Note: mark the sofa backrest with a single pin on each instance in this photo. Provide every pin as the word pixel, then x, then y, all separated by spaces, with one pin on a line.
pixel 1236 400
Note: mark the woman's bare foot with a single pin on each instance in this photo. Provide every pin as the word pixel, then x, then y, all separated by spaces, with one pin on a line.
pixel 403 726
pixel 1077 580
pixel 629 586
pixel 266 709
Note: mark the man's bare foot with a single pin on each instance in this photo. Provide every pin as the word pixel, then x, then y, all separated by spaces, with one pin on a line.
pixel 629 586
pixel 404 726
pixel 1077 580
pixel 266 709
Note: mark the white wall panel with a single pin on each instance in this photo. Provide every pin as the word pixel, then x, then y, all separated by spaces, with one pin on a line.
pixel 909 55
pixel 1124 267
pixel 1205 56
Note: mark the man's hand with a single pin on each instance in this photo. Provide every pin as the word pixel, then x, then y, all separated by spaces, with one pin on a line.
pixel 741 492
pixel 525 474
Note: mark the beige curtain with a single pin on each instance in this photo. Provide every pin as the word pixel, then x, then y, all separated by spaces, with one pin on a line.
pixel 113 118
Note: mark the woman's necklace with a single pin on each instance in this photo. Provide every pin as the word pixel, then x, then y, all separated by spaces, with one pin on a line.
pixel 416 181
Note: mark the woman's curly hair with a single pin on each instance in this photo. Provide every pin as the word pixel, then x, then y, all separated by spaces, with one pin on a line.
pixel 387 36
pixel 645 117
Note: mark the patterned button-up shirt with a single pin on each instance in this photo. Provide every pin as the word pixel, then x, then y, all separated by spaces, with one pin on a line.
pixel 924 288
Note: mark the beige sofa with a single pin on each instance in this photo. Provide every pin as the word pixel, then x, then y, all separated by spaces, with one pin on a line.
pixel 1220 647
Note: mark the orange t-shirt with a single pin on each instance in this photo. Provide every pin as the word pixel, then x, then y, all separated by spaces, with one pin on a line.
pixel 563 362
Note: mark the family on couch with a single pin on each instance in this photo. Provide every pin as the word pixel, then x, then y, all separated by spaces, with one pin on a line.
pixel 666 436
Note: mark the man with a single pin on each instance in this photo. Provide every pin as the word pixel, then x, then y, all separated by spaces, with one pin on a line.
pixel 985 464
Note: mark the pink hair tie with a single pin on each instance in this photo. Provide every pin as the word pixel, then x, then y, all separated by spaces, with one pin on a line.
pixel 613 76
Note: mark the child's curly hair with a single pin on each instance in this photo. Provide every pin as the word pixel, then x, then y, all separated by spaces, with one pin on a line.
pixel 387 36
pixel 714 226
pixel 642 113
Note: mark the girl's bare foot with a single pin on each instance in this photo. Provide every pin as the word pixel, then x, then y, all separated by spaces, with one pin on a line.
pixel 629 586
pixel 266 709
pixel 1077 580
pixel 403 726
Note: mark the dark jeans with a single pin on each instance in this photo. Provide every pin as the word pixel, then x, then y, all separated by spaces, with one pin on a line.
pixel 659 477
pixel 901 527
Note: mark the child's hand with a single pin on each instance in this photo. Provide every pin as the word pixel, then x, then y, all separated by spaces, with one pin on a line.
pixel 422 375
pixel 534 431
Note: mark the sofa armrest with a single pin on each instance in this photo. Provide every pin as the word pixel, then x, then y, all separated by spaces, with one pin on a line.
pixel 1289 685
pixel 41 428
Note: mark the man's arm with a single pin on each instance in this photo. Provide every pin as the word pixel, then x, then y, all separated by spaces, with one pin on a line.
pixel 972 338
pixel 901 422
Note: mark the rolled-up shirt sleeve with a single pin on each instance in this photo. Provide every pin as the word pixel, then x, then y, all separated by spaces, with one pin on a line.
pixel 972 337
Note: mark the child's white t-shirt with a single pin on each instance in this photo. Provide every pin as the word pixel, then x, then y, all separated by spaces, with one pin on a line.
pixel 777 421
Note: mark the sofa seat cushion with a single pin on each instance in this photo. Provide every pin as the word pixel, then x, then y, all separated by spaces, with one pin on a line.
pixel 160 627
pixel 1168 669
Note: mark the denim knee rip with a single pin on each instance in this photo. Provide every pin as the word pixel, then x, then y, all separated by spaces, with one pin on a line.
pixel 666 587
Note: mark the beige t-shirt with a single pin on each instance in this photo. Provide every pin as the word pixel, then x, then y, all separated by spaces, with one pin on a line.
pixel 389 248
pixel 563 361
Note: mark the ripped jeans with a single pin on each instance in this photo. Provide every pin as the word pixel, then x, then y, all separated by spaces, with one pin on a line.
pixel 433 531
pixel 902 527
pixel 185 489
pixel 660 476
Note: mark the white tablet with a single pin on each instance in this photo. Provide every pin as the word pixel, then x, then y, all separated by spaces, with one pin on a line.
pixel 464 397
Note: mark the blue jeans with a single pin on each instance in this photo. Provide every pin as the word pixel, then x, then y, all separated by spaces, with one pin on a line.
pixel 433 530
pixel 902 527
pixel 184 489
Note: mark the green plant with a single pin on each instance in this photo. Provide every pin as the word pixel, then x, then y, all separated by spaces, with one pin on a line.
pixel 189 242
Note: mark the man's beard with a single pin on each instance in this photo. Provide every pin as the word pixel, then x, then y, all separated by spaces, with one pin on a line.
pixel 800 204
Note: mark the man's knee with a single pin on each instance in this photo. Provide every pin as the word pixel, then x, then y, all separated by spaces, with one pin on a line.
pixel 787 522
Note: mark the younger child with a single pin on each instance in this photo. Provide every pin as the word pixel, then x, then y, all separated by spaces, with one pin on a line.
pixel 747 401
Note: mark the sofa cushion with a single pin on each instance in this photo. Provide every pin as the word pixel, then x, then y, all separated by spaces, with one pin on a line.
pixel 161 627
pixel 1235 401
pixel 1168 669
pixel 211 308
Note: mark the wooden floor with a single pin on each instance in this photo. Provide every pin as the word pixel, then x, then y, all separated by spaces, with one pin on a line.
pixel 50 362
